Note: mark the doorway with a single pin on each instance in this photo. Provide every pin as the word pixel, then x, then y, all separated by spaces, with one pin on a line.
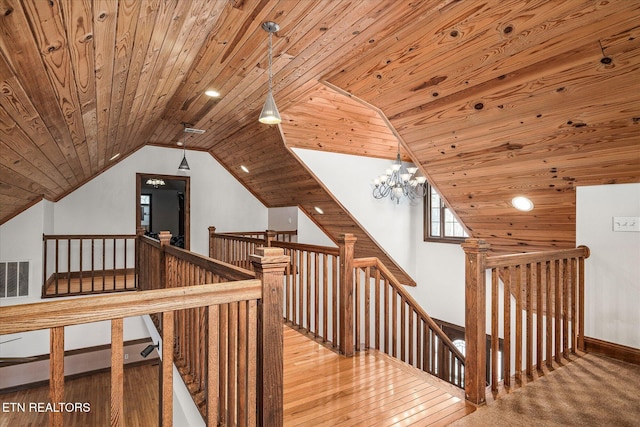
pixel 162 204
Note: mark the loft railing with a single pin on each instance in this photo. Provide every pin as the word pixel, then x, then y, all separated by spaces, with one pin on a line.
pixel 388 319
pixel 56 315
pixel 354 304
pixel 536 307
pixel 240 352
pixel 82 264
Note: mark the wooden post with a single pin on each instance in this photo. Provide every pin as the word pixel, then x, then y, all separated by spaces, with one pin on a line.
pixel 346 243
pixel 117 374
pixel 165 240
pixel 56 374
pixel 475 320
pixel 212 249
pixel 136 274
pixel 269 265
pixel 269 236
pixel 165 407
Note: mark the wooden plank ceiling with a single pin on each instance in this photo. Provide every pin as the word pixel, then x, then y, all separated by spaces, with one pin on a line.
pixel 491 98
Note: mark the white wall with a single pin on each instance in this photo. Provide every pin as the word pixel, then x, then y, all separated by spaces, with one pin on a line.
pixel 612 276
pixel 438 268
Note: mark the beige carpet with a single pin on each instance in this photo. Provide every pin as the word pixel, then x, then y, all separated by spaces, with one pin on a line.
pixel 591 391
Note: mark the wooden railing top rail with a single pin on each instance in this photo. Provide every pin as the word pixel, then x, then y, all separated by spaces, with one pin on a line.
pixel 220 268
pixel 493 261
pixel 86 236
pixel 375 262
pixel 289 232
pixel 306 247
pixel 239 237
pixel 44 315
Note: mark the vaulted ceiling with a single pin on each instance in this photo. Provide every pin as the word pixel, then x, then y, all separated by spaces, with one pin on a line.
pixel 491 98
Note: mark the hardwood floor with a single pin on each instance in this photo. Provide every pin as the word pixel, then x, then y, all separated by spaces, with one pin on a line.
pixel 321 388
pixel 97 284
pixel 140 401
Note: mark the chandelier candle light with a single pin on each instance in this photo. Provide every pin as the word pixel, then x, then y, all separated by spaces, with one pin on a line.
pixel 399 181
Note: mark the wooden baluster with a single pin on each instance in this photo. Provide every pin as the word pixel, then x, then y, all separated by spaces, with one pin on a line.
pixel 346 243
pixel 394 322
pixel 475 320
pixel 269 265
pixel 325 298
pixel 45 266
pixel 334 293
pixel 232 390
pixel 81 266
pixel 517 271
pixel 93 263
pixel 378 323
pixel 385 287
pixel 308 286
pixel 213 354
pixel 495 337
pixel 223 367
pixel 528 283
pixel 212 242
pixel 124 262
pixel 316 295
pixel 574 286
pixel 558 311
pixel 117 374
pixel 565 306
pixel 252 350
pixel 166 371
pixel 242 363
pixel 56 373
pixel 367 308
pixel 68 266
pixel 506 343
pixel 356 319
pixel 539 315
pixel 104 261
pixel 410 335
pixel 114 263
pixel 580 319
pixel 403 329
pixel 550 274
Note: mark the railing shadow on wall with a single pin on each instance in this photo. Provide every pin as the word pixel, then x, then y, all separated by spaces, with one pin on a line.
pixel 535 303
pixel 351 304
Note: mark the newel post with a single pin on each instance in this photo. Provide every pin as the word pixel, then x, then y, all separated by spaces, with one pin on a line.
pixel 269 265
pixel 475 321
pixel 346 243
pixel 165 240
pixel 212 249
pixel 269 236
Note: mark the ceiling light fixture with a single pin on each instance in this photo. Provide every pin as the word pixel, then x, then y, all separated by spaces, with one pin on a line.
pixel 270 114
pixel 320 211
pixel 244 169
pixel 522 203
pixel 398 181
pixel 156 182
pixel 184 166
pixel 212 93
pixel 115 156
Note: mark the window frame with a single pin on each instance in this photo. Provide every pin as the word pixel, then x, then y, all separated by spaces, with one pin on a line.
pixel 427 221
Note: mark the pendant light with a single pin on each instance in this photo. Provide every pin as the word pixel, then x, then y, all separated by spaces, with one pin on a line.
pixel 270 114
pixel 184 166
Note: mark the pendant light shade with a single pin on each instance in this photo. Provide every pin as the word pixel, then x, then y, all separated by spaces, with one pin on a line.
pixel 184 166
pixel 270 114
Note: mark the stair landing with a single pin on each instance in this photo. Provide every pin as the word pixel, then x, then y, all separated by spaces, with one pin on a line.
pixel 322 388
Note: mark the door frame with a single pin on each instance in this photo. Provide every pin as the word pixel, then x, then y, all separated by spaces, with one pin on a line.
pixel 187 200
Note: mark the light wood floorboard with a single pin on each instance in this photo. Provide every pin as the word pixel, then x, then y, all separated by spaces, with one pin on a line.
pixel 321 388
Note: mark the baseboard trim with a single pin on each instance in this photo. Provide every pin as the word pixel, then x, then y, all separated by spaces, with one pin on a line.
pixel 612 350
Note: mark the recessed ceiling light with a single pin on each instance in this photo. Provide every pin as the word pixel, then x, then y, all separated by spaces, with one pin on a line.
pixel 320 211
pixel 115 156
pixel 244 168
pixel 522 203
pixel 212 93
pixel 179 143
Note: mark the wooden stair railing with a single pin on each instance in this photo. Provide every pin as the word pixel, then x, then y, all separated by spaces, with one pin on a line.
pixel 171 267
pixel 547 289
pixel 82 264
pixel 355 304
pixel 388 319
pixel 55 315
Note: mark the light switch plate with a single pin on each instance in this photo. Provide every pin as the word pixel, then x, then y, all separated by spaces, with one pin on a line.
pixel 626 223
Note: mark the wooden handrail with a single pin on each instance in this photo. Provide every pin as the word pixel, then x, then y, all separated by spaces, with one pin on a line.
pixel 86 236
pixel 547 289
pixel 376 263
pixel 392 318
pixel 229 271
pixel 44 315
pixel 306 247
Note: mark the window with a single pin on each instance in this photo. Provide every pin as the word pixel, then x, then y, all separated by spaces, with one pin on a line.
pixel 440 223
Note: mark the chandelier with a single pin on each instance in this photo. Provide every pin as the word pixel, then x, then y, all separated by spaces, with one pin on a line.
pixel 399 181
pixel 156 182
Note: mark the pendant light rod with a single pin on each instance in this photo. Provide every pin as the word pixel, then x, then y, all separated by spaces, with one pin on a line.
pixel 270 114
